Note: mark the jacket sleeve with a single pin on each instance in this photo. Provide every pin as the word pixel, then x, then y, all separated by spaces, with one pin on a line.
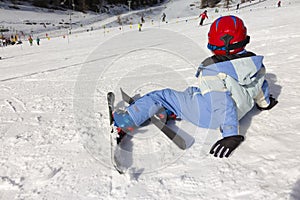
pixel 224 113
pixel 261 95
pixel 229 126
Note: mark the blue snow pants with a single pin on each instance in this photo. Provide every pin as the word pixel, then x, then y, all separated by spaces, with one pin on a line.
pixel 189 105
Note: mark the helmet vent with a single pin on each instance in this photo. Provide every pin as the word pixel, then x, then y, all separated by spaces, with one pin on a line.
pixel 226 38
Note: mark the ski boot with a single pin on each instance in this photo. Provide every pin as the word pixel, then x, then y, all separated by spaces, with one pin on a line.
pixel 124 124
pixel 165 115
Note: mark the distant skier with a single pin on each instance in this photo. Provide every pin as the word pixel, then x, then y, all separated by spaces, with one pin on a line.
pixel 279 3
pixel 202 17
pixel 237 6
pixel 163 17
pixel 3 42
pixel 38 41
pixel 30 40
pixel 231 82
pixel 142 19
pixel 12 40
pixel 140 26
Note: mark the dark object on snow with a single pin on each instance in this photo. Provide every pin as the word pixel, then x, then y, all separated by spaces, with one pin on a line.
pixel 163 17
pixel 142 19
pixel 273 103
pixel 2 30
pixel 279 4
pixel 227 145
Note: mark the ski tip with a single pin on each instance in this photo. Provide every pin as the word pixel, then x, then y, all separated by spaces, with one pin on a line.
pixel 110 95
pixel 182 145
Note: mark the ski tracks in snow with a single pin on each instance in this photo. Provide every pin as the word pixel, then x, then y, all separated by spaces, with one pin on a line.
pixel 40 147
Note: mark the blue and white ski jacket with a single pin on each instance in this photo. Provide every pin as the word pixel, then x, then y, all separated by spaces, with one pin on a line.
pixel 228 89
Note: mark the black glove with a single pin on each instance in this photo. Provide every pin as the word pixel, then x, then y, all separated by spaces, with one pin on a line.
pixel 227 144
pixel 273 102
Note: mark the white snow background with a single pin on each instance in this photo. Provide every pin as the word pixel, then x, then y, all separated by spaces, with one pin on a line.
pixel 54 131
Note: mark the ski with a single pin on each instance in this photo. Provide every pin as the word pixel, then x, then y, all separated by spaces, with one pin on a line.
pixel 160 123
pixel 110 103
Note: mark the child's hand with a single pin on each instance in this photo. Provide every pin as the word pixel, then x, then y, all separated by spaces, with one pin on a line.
pixel 226 145
pixel 273 102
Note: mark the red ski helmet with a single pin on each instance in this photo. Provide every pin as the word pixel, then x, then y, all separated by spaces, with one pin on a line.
pixel 227 35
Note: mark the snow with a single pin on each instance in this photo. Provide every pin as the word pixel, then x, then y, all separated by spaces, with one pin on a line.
pixel 54 131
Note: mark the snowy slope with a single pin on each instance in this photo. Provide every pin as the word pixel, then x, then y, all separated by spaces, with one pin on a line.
pixel 54 123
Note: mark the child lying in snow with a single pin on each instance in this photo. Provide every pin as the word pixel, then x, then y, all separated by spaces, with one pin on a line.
pixel 231 82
